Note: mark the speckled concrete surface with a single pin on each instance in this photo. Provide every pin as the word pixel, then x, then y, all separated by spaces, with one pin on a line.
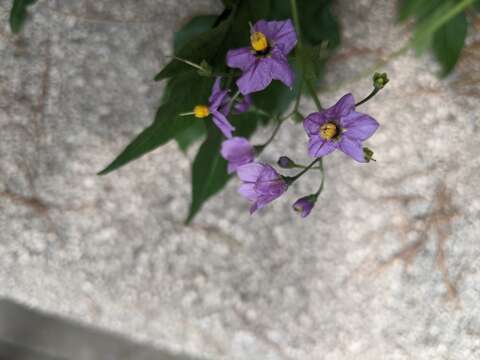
pixel 387 266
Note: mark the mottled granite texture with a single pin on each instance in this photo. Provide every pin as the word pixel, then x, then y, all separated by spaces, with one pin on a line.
pixel 386 267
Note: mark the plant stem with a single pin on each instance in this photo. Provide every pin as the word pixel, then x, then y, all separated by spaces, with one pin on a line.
pixel 323 179
pixel 308 83
pixel 371 95
pixel 232 100
pixel 313 94
pixel 291 179
pixel 260 148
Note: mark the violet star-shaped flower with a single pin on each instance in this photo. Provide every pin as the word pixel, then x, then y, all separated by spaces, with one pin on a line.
pixel 218 107
pixel 266 59
pixel 237 151
pixel 261 184
pixel 219 102
pixel 339 127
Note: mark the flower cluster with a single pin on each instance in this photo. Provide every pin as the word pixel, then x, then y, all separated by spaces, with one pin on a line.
pixel 338 127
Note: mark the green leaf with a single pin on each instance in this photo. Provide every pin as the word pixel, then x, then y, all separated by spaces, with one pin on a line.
pixel 196 26
pixel 425 30
pixel 420 9
pixel 448 42
pixel 476 5
pixel 209 169
pixel 166 125
pixel 205 46
pixel 190 135
pixel 18 14
pixel 318 23
pixel 209 172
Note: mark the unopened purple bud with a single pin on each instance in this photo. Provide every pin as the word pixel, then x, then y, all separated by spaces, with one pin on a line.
pixel 304 205
pixel 285 162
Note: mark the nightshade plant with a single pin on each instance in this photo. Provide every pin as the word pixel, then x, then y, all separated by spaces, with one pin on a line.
pixel 232 73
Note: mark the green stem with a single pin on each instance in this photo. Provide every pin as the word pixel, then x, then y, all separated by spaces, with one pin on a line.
pixel 296 21
pixel 313 94
pixel 291 179
pixel 232 100
pixel 372 94
pixel 260 148
pixel 308 83
pixel 323 179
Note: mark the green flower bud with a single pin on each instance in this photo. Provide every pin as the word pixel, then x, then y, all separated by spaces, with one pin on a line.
pixel 368 154
pixel 380 80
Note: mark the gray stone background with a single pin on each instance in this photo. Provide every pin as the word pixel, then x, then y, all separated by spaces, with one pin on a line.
pixel 386 267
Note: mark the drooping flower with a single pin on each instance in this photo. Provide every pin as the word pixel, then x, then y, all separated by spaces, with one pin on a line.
pixel 261 184
pixel 304 205
pixel 339 127
pixel 266 59
pixel 237 151
pixel 219 107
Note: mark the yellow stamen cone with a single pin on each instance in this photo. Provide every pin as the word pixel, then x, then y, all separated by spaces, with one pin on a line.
pixel 201 111
pixel 259 41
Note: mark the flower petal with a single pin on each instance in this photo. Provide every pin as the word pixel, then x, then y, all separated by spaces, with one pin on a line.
pixel 217 100
pixel 256 78
pixel 242 58
pixel 344 106
pixel 216 89
pixel 238 151
pixel 279 33
pixel 244 104
pixel 250 172
pixel 247 191
pixel 318 147
pixel 352 148
pixel 222 123
pixel 313 122
pixel 280 69
pixel 359 126
pixel 235 147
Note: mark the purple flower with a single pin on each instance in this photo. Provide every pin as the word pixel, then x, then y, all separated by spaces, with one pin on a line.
pixel 304 205
pixel 266 59
pixel 261 184
pixel 237 151
pixel 218 107
pixel 339 127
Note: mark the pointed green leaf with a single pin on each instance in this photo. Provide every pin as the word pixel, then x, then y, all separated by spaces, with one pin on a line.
pixel 209 173
pixel 18 14
pixel 448 42
pixel 190 135
pixel 166 125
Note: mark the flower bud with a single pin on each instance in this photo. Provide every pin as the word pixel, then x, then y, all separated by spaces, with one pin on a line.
pixel 285 162
pixel 380 80
pixel 368 154
pixel 304 205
